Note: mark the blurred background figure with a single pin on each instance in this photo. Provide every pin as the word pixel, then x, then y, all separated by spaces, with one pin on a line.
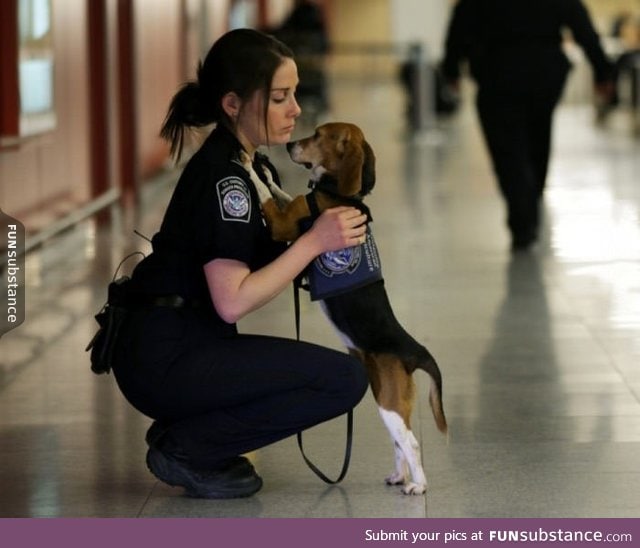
pixel 442 99
pixel 515 55
pixel 625 33
pixel 304 31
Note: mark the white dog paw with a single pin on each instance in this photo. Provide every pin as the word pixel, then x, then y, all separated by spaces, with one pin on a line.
pixel 395 479
pixel 414 488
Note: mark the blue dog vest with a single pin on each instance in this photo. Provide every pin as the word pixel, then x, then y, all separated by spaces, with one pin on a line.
pixel 337 272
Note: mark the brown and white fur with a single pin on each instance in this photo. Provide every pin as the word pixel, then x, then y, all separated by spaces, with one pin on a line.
pixel 342 167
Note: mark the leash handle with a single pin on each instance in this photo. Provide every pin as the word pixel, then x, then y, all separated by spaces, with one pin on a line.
pixel 297 284
pixel 347 454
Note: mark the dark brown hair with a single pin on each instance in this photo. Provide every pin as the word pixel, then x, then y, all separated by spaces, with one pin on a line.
pixel 241 61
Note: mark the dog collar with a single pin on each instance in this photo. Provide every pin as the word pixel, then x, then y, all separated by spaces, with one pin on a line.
pixel 328 186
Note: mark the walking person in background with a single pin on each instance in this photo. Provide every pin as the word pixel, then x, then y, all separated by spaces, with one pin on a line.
pixel 515 55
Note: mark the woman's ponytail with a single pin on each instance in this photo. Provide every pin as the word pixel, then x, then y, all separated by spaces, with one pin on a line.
pixel 187 109
pixel 242 61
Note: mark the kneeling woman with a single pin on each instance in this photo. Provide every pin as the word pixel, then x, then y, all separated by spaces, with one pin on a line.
pixel 214 393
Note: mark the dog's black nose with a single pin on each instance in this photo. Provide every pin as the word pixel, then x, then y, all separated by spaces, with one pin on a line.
pixel 290 145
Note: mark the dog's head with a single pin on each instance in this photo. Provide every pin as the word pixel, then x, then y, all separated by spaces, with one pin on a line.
pixel 339 150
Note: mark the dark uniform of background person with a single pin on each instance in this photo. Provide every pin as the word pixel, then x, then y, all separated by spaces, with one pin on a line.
pixel 514 50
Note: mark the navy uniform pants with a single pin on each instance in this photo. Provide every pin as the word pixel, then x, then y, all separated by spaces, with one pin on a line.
pixel 517 129
pixel 221 397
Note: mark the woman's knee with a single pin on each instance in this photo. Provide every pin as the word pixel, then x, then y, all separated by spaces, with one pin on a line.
pixel 354 381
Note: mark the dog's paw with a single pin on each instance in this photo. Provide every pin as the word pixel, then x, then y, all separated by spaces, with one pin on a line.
pixel 280 196
pixel 395 479
pixel 412 488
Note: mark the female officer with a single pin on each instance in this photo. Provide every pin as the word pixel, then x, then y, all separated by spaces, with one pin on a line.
pixel 216 394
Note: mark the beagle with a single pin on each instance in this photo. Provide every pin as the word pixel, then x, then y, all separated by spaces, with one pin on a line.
pixel 342 168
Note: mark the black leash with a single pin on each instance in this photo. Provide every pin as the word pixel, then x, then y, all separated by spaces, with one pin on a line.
pixel 297 284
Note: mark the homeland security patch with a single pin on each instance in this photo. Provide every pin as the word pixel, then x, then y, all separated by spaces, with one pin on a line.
pixel 234 198
pixel 338 262
pixel 337 272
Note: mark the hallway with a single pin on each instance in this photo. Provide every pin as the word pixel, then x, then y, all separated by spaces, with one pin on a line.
pixel 540 351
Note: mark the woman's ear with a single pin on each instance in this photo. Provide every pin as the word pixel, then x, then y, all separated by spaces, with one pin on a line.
pixel 231 105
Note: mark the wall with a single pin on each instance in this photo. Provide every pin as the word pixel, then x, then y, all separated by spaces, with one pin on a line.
pixel 395 23
pixel 356 26
pixel 158 69
pixel 48 175
pixel 361 21
pixel 604 11
pixel 278 10
pixel 420 20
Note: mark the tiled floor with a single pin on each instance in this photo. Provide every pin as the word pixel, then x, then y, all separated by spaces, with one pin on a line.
pixel 540 352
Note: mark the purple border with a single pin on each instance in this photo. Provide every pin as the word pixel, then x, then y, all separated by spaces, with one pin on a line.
pixel 314 533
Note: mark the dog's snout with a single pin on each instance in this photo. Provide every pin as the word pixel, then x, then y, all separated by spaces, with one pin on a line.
pixel 293 148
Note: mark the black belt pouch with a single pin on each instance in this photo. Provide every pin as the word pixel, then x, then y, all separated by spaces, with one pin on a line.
pixel 110 320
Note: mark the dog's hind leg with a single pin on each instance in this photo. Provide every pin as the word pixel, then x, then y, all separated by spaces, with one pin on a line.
pixel 407 451
pixel 401 472
pixel 394 392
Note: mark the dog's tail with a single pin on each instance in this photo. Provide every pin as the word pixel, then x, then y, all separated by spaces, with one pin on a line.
pixel 435 399
pixel 429 365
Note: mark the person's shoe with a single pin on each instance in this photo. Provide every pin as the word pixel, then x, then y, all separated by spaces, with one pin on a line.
pixel 522 242
pixel 234 478
pixel 154 438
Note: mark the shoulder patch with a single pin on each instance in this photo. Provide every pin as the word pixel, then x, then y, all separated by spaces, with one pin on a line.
pixel 234 199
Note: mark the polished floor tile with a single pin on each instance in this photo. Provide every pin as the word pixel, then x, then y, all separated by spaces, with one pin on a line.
pixel 540 352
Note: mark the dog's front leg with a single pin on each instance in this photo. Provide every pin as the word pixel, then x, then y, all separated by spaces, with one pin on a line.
pixel 280 196
pixel 281 212
pixel 266 192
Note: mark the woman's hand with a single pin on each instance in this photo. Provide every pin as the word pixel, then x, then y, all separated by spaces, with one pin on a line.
pixel 337 228
pixel 236 290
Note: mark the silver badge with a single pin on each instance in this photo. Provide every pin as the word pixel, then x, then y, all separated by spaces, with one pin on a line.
pixel 235 201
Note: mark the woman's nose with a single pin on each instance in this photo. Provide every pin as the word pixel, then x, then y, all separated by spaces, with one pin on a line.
pixel 296 110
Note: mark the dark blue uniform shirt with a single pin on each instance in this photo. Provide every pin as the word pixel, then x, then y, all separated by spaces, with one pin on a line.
pixel 214 213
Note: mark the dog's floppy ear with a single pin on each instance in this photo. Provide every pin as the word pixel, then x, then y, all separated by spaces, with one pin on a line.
pixel 368 170
pixel 351 165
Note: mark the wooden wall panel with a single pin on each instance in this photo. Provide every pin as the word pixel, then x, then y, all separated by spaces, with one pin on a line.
pixel 158 72
pixel 47 175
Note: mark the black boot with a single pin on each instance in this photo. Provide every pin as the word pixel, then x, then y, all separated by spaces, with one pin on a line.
pixel 233 478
